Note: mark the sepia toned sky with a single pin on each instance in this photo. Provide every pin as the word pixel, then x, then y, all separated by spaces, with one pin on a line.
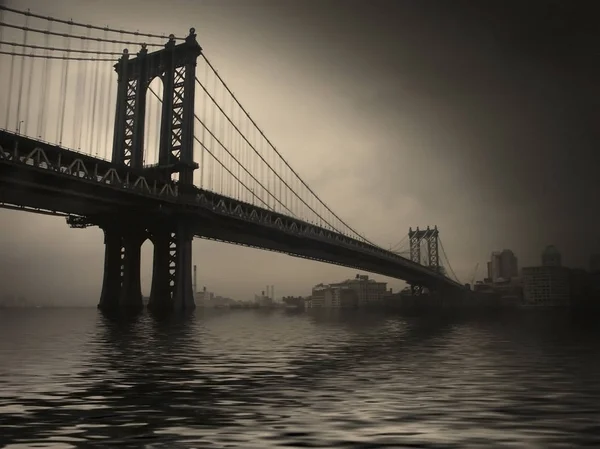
pixel 478 117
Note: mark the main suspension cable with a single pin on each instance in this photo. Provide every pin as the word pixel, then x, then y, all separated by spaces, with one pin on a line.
pixel 448 261
pixel 68 50
pixel 64 58
pixel 84 25
pixel 75 36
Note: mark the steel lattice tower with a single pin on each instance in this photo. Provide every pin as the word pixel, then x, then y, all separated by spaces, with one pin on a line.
pixel 416 238
pixel 171 235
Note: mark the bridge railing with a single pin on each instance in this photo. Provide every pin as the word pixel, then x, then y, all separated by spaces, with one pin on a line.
pixel 58 145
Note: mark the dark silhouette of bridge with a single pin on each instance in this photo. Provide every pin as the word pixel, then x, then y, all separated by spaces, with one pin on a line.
pixel 183 163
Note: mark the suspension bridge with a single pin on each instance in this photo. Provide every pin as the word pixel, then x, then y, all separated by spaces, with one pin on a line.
pixel 155 145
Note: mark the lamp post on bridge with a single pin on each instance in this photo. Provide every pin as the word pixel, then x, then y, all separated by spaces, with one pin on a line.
pixel 19 126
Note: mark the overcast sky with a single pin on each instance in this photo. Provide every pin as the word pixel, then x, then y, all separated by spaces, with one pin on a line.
pixel 478 117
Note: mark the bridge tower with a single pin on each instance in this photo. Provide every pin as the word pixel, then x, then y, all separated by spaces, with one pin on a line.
pixel 430 236
pixel 125 232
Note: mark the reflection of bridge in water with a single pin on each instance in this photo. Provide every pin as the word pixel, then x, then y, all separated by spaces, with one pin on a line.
pixel 142 370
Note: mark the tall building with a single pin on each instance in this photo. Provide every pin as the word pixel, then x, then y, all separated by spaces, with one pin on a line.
pixel 494 266
pixel 503 265
pixel 551 257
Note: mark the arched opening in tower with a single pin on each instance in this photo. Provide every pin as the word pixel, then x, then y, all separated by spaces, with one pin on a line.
pixel 152 122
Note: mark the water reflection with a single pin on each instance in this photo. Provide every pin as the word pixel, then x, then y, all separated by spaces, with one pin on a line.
pixel 252 379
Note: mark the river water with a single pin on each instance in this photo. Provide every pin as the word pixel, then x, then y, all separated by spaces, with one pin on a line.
pixel 252 379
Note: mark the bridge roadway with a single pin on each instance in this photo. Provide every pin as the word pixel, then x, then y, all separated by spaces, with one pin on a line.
pixel 46 178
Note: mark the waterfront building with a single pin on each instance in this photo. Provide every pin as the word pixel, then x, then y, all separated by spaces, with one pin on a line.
pixel 546 286
pixel 331 296
pixel 368 291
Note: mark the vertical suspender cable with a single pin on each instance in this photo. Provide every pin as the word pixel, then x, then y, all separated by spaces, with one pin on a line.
pixel 273 163
pixel 28 109
pixel 78 117
pixel 63 90
pixel 268 170
pixel 216 131
pixel 222 136
pixel 10 91
pixel 241 174
pixel 94 133
pixel 259 170
pixel 41 128
pixel 274 173
pixel 21 75
pixel 278 182
pixel 252 163
pixel 204 142
pixel 109 126
pixel 86 100
pixel 236 153
pixel 226 160
pixel 227 140
pixel 101 135
pixel 211 172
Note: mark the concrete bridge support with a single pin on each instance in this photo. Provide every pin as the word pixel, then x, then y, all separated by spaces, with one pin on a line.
pixel 121 286
pixel 172 268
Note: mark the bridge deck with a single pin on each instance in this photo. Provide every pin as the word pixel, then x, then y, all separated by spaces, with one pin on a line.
pixel 45 176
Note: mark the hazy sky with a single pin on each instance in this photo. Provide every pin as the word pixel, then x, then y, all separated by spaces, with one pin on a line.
pixel 478 117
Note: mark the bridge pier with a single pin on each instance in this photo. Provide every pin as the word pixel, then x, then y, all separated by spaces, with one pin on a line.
pixel 121 285
pixel 172 268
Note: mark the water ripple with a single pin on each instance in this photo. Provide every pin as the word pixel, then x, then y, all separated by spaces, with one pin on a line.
pixel 73 378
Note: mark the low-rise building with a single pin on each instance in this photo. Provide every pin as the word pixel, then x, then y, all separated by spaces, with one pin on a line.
pixel 368 291
pixel 360 291
pixel 296 302
pixel 331 296
pixel 263 301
